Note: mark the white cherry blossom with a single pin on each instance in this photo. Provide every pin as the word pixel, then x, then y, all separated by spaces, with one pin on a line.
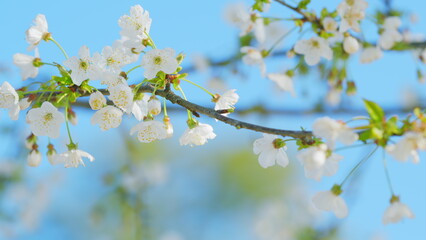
pixel 97 100
pixel 27 65
pixel 313 49
pixel 237 14
pixel 111 78
pixel 37 32
pixel 370 54
pixel 157 60
pixel 253 56
pixel 283 81
pixel 318 162
pixel 332 131
pixel 270 152
pixel 108 117
pixel 389 37
pixel 329 201
pixel 82 66
pixel 45 120
pixel 73 158
pixel 9 99
pixel 149 131
pixel 122 96
pixel 135 27
pixel 330 25
pixel 351 12
pixel 226 100
pixel 197 135
pixel 407 147
pixel 396 212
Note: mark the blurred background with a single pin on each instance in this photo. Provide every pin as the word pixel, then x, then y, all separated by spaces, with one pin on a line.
pixel 216 191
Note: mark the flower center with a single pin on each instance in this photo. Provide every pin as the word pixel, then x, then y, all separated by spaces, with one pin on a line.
pixel 48 117
pixel 84 65
pixel 315 44
pixel 157 60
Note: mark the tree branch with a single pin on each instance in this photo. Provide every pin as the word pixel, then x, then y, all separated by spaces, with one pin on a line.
pixel 175 99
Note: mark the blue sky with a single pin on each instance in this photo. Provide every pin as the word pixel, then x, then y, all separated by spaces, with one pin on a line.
pixel 198 27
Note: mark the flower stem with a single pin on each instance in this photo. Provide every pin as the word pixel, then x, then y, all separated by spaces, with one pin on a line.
pixel 150 39
pixel 385 167
pixel 358 165
pixel 352 146
pixel 60 47
pixel 165 107
pixel 280 39
pixel 133 68
pixel 184 97
pixel 67 124
pixel 202 88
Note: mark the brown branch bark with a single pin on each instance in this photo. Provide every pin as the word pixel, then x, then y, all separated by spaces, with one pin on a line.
pixel 175 99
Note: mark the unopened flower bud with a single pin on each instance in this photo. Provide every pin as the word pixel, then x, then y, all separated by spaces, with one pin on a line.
pixel 350 45
pixel 34 158
pixel 154 106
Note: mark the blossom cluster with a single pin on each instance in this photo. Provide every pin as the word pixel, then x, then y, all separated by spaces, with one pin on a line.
pixel 82 75
pixel 319 159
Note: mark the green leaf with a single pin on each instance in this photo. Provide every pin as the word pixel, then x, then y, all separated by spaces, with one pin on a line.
pixel 259 5
pixel 303 4
pixel 374 110
pixel 365 135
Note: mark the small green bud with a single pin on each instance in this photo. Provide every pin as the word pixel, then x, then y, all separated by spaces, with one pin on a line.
pixel 350 88
pixel 37 62
pixel 394 199
pixel 192 123
pixel 336 189
pixel 180 58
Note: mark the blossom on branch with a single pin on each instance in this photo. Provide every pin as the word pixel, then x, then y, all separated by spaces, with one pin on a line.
pixel 396 211
pixel 157 60
pixel 37 32
pixel 313 49
pixel 9 99
pixel 271 151
pixel 108 117
pixel 318 161
pixel 407 147
pixel 82 67
pixel 45 120
pixel 331 201
pixel 72 158
pixel 332 131
pixel 28 64
pixel 150 131
pixel 197 135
